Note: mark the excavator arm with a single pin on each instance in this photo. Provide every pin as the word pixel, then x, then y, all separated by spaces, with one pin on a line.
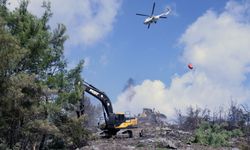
pixel 101 96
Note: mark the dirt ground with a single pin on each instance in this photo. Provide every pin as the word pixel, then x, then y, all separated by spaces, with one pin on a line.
pixel 154 138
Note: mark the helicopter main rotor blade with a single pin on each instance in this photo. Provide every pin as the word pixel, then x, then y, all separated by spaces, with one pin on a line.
pixel 143 15
pixel 148 26
pixel 163 17
pixel 153 9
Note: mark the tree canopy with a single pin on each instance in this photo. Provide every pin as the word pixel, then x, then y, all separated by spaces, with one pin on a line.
pixel 39 95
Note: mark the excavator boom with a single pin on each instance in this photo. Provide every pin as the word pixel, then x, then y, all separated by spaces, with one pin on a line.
pixel 100 96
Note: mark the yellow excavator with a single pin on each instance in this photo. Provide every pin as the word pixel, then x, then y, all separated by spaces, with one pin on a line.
pixel 114 122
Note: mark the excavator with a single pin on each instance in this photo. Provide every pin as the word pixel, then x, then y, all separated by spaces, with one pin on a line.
pixel 114 122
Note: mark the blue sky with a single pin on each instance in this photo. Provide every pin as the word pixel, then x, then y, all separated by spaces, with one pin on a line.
pixel 131 50
pixel 116 45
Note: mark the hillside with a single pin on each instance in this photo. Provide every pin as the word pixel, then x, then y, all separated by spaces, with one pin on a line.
pixel 157 134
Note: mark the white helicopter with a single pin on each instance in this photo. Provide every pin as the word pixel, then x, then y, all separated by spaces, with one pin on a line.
pixel 154 18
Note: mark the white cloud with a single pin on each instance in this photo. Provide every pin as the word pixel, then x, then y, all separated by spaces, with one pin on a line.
pixel 218 45
pixel 12 4
pixel 34 6
pixel 73 63
pixel 240 12
pixel 87 21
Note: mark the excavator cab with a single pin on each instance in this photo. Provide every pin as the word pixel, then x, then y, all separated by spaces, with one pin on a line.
pixel 124 122
pixel 119 118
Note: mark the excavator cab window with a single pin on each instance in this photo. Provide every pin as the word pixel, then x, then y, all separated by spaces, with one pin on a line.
pixel 120 117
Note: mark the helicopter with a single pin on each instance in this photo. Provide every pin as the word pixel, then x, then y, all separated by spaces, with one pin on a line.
pixel 154 18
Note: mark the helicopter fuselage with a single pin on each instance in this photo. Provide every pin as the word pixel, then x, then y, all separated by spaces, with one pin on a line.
pixel 152 19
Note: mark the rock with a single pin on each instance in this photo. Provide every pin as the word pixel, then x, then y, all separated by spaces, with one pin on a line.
pixel 184 132
pixel 167 143
pixel 157 128
pixel 235 148
pixel 159 143
pixel 166 129
pixel 150 140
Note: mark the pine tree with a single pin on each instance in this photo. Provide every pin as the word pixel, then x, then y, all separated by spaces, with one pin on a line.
pixel 38 95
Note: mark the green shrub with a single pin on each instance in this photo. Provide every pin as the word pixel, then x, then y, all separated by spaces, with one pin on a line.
pixel 214 135
pixel 200 137
pixel 236 133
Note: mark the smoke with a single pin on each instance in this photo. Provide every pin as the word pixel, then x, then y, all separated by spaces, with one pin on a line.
pixel 129 89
